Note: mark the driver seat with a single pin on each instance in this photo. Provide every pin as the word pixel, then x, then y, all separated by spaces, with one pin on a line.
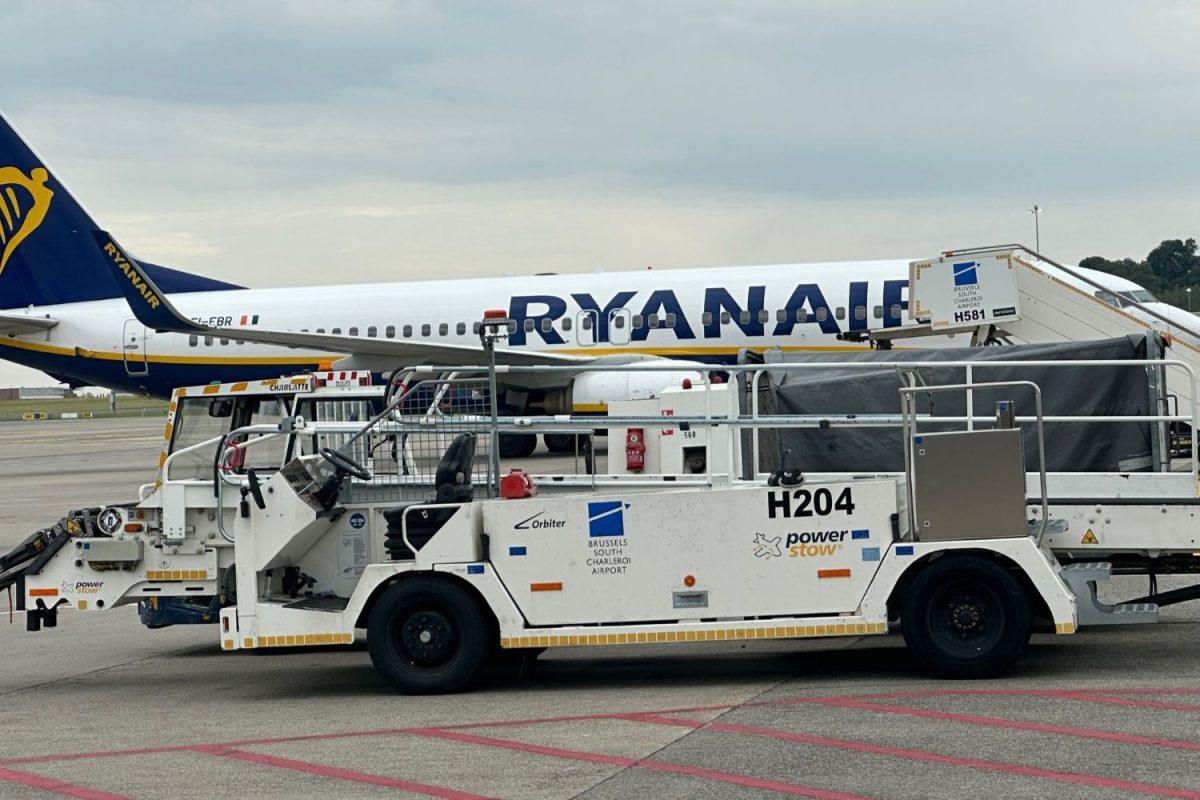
pixel 452 484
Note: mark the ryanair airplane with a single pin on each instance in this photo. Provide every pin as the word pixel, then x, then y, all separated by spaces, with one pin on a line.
pixel 63 287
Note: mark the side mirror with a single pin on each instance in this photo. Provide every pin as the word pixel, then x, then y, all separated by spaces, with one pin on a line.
pixel 220 407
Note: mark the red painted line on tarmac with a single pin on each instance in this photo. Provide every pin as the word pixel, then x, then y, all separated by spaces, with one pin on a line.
pixel 56 786
pixel 997 722
pixel 1068 694
pixel 336 773
pixel 1130 702
pixel 733 778
pixel 929 757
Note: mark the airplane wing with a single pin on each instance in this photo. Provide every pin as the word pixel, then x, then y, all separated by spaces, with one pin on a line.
pixel 15 324
pixel 155 311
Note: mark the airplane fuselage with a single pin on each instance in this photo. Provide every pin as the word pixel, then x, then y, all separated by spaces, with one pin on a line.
pixel 699 314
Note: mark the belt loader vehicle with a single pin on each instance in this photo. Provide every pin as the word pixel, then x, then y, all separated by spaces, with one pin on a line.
pixel 309 510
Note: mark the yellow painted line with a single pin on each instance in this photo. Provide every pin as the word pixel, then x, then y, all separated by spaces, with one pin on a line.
pixel 703 635
pixel 74 352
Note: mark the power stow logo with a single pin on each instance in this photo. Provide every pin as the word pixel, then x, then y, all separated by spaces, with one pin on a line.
pixel 24 202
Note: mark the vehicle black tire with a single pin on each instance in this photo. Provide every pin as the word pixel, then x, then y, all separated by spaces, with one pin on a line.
pixel 966 617
pixel 559 442
pixel 517 445
pixel 427 635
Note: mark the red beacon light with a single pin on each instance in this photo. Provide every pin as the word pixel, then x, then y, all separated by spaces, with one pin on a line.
pixel 687 383
pixel 517 484
pixel 495 313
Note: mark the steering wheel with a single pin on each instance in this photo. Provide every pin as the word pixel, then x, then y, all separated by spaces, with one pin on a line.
pixel 344 463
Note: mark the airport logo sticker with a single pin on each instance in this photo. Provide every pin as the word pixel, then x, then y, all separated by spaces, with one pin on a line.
pixel 606 518
pixel 606 537
pixel 24 202
pixel 965 273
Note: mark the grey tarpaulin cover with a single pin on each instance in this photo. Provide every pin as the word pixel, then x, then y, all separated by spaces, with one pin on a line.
pixel 1070 447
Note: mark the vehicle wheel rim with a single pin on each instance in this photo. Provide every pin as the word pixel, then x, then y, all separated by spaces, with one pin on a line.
pixel 427 639
pixel 966 618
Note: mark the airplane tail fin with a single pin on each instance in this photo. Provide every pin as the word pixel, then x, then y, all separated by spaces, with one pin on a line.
pixel 47 253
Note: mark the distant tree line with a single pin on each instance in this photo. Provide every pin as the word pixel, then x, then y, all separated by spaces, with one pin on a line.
pixel 1167 271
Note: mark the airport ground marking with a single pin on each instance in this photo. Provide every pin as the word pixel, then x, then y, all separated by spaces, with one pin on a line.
pixel 55 786
pixel 926 756
pixel 1012 724
pixel 653 765
pixel 859 702
pixel 337 773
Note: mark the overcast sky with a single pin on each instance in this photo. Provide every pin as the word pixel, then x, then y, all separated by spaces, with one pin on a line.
pixel 317 142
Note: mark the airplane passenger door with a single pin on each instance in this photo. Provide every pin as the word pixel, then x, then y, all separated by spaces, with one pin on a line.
pixel 133 348
pixel 620 321
pixel 585 328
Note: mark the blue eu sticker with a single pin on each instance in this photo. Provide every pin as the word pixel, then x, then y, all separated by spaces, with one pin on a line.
pixel 357 521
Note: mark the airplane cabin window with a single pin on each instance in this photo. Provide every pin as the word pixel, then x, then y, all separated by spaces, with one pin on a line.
pixel 320 330
pixel 724 317
pixel 618 321
pixel 529 326
pixel 193 340
pixel 878 312
pixel 764 316
pixel 896 309
pixel 407 331
pixel 336 331
pixel 372 331
pixel 512 326
pixel 670 320
pixel 586 322
pixel 353 331
pixel 566 323
pixel 652 321
pixel 840 313
pixel 706 318
pixel 224 341
pixel 822 314
pixel 547 324
pixel 781 315
pixel 426 329
pixel 801 315
pixel 208 340
pixel 390 331
pixel 744 317
pixel 476 327
pixel 637 321
pixel 443 329
pixel 860 313
pixel 460 328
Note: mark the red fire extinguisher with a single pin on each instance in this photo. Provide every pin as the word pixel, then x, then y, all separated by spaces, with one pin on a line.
pixel 635 449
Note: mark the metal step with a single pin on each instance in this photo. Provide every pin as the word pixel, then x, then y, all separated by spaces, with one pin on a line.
pixel 1082 578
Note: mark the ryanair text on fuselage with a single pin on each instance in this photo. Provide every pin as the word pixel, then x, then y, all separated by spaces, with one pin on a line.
pixel 663 306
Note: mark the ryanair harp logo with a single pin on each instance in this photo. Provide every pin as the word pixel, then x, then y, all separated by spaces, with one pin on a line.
pixel 23 205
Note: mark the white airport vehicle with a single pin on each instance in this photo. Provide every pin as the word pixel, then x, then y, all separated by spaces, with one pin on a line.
pixel 316 507
pixel 323 545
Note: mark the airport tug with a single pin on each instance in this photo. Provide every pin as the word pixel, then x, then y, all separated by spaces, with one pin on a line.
pixel 307 510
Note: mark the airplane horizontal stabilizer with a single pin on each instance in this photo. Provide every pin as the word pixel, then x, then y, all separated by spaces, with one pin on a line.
pixel 12 324
pixel 155 311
